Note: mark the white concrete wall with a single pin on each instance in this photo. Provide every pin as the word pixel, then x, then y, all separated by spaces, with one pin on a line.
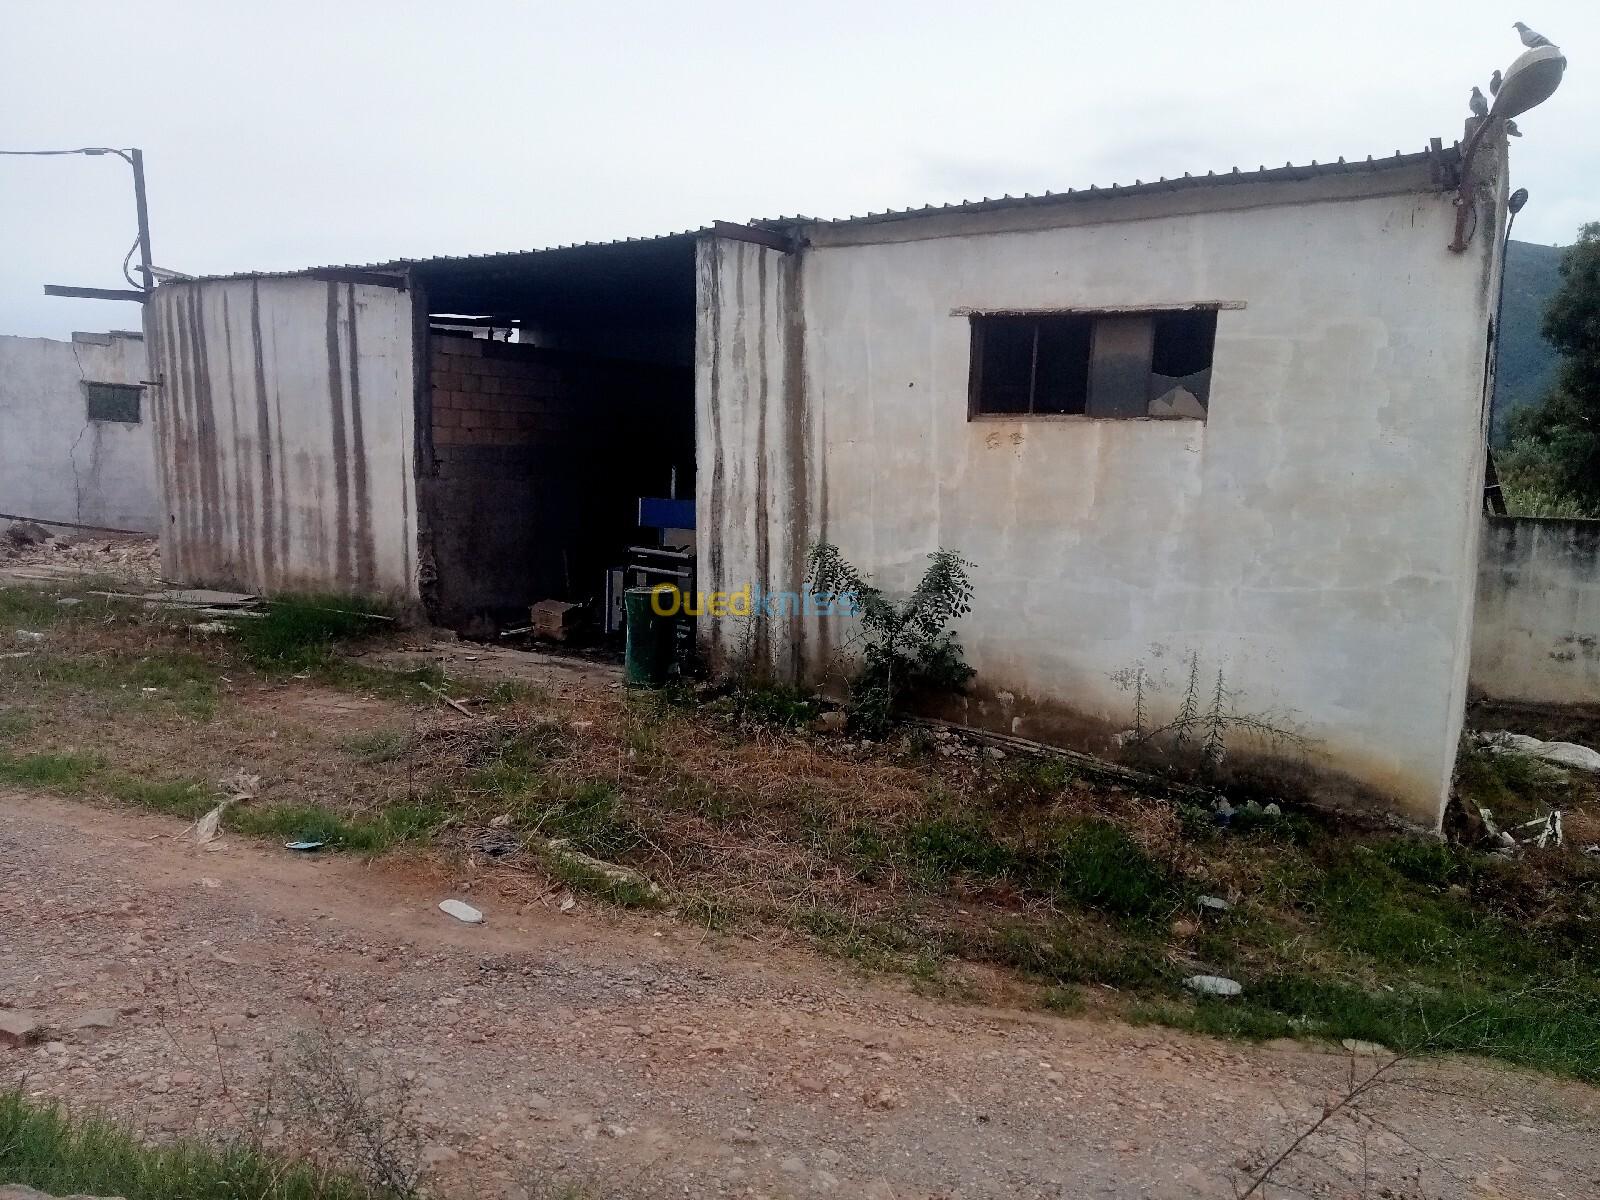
pixel 1315 539
pixel 1536 633
pixel 55 463
pixel 285 433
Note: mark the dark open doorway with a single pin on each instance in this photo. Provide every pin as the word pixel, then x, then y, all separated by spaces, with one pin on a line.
pixel 556 391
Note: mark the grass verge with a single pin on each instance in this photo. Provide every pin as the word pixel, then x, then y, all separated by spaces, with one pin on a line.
pixel 42 1147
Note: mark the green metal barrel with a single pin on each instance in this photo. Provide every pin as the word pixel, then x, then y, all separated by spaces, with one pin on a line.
pixel 651 640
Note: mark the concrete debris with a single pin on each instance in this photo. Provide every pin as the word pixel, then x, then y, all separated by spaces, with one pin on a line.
pixel 79 556
pixel 28 637
pixel 561 849
pixel 1213 985
pixel 464 913
pixel 19 1028
pixel 1566 754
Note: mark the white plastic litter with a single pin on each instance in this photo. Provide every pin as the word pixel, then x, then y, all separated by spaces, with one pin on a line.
pixel 1213 985
pixel 461 912
pixel 205 829
pixel 1566 754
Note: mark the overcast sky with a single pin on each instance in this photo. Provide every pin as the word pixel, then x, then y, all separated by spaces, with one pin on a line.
pixel 280 135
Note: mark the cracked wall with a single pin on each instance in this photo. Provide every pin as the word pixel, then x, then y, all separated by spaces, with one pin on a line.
pixel 55 463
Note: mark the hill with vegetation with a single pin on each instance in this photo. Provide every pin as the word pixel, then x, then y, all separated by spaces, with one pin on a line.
pixel 1528 363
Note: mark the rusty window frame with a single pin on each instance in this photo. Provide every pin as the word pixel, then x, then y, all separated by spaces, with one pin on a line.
pixel 119 403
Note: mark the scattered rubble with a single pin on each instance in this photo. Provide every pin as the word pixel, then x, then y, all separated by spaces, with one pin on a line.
pixel 1565 754
pixel 28 557
pixel 27 533
pixel 19 1028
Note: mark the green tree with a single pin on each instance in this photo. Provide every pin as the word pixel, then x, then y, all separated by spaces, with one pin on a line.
pixel 1555 445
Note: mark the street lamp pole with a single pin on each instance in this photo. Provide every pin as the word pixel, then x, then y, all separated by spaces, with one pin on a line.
pixel 136 161
pixel 134 157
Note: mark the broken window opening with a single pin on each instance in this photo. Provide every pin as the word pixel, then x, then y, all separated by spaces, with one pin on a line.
pixel 1106 365
pixel 117 402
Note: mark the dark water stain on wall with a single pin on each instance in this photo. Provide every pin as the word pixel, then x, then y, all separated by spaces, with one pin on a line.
pixel 267 545
pixel 341 450
pixel 761 394
pixel 364 548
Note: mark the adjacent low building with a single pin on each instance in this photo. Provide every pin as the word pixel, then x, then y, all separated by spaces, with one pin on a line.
pixel 1226 427
pixel 76 441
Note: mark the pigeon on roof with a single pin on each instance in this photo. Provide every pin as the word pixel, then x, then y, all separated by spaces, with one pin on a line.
pixel 1494 83
pixel 1530 38
pixel 1479 106
pixel 1512 130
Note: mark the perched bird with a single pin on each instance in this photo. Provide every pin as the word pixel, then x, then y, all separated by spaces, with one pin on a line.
pixel 1512 130
pixel 1479 106
pixel 1530 39
pixel 1494 83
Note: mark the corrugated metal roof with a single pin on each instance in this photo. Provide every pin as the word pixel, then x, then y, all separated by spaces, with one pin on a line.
pixel 487 258
pixel 1446 157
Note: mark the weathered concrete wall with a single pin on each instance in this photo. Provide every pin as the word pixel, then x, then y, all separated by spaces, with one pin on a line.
pixel 285 434
pixel 55 463
pixel 1536 634
pixel 1314 539
pixel 754 430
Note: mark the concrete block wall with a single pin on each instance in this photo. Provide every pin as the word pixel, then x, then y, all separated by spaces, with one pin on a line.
pixel 498 393
pixel 538 458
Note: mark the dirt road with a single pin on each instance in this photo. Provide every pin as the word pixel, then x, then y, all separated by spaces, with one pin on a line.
pixel 657 1061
